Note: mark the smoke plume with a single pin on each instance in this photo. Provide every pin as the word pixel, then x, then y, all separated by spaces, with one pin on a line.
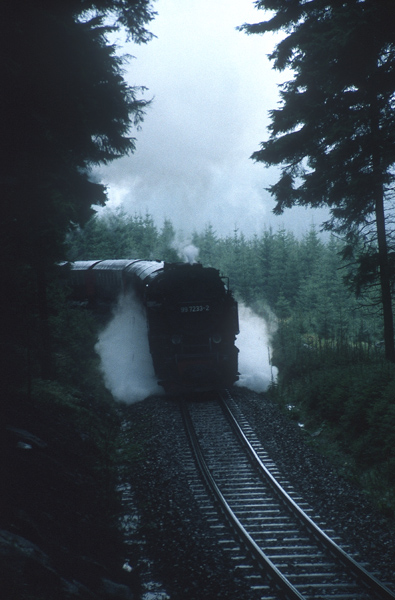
pixel 187 251
pixel 190 254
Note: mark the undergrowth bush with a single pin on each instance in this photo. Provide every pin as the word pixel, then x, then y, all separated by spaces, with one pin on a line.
pixel 353 403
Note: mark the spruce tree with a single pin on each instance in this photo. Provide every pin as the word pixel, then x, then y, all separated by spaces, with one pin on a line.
pixel 65 107
pixel 333 134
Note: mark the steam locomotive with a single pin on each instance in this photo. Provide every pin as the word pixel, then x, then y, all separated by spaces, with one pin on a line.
pixel 192 317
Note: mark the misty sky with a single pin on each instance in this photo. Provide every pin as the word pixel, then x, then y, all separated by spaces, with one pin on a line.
pixel 212 88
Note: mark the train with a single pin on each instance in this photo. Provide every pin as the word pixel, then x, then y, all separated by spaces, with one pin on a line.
pixel 191 315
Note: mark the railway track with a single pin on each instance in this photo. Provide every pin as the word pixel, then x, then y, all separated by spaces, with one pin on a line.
pixel 288 555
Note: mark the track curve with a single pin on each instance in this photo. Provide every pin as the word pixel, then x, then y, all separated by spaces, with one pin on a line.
pixel 292 553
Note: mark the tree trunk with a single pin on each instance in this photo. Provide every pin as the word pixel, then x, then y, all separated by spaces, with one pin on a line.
pixel 385 283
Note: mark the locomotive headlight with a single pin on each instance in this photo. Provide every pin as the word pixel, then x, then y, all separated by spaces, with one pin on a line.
pixel 216 338
pixel 176 339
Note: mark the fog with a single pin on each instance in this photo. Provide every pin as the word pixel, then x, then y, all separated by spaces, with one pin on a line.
pixel 212 88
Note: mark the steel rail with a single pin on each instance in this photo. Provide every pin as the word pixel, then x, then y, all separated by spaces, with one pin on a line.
pixel 369 580
pixel 291 593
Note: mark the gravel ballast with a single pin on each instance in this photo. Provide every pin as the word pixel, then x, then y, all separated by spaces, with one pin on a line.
pixel 172 536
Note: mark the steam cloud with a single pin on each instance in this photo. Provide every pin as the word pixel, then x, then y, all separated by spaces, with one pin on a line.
pixel 187 252
pixel 125 358
pixel 127 364
pixel 190 254
pixel 253 341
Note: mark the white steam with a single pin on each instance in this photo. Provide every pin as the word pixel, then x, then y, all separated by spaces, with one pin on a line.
pixel 253 341
pixel 125 358
pixel 190 254
pixel 187 251
pixel 127 363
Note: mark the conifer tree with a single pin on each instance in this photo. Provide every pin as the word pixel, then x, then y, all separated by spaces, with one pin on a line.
pixel 65 107
pixel 333 134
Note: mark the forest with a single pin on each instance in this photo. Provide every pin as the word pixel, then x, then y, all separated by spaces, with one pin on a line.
pixel 326 341
pixel 283 278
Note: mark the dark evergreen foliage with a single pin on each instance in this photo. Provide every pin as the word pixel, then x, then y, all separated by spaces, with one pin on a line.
pixel 118 235
pixel 334 132
pixel 64 108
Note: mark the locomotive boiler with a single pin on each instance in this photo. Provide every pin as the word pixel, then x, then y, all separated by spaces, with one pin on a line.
pixel 191 315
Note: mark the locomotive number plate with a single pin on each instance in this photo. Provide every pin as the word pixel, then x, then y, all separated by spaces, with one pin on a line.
pixel 196 308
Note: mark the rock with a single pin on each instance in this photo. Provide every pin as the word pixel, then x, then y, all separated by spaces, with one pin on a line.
pixel 116 591
pixel 25 438
pixel 15 546
pixel 25 568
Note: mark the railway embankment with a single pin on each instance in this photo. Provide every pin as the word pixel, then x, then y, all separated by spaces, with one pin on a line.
pixel 347 410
